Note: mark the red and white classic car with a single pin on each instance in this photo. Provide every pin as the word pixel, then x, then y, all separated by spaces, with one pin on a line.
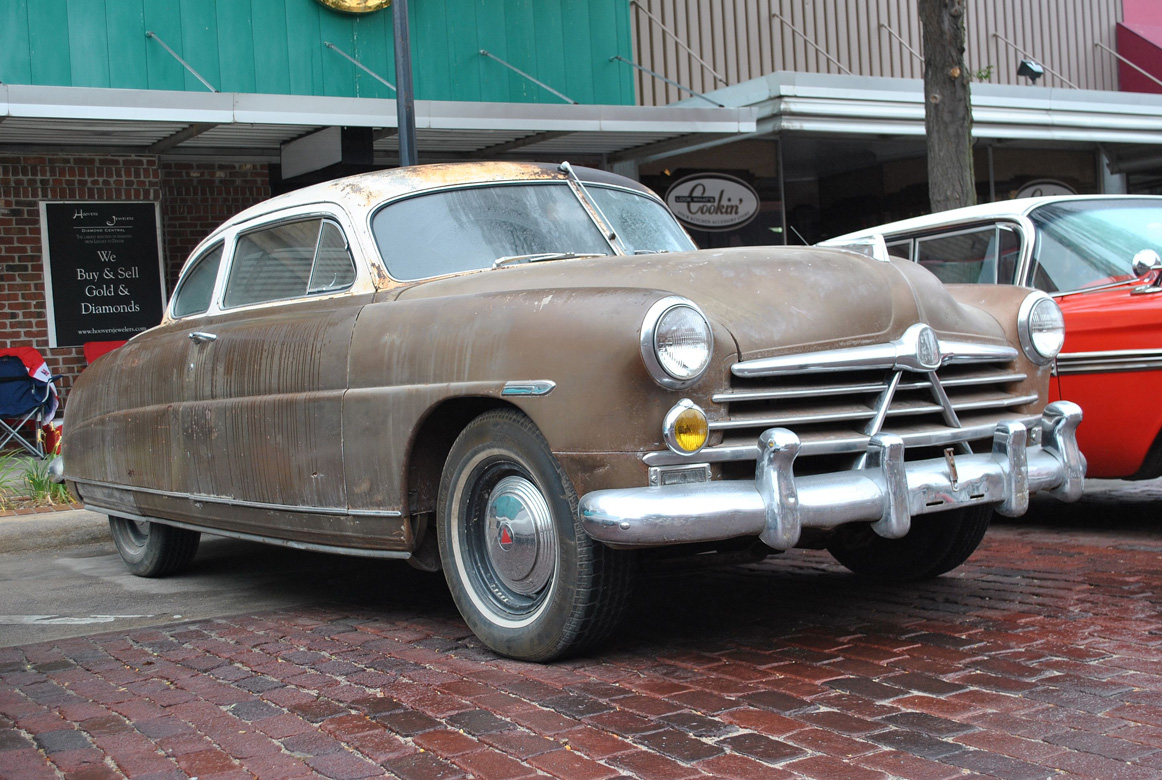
pixel 1098 257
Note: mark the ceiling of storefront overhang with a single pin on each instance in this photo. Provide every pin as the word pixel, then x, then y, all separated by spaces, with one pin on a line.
pixel 841 123
pixel 246 126
pixel 861 118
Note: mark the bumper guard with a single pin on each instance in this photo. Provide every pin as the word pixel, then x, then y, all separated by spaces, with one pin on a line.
pixel 888 493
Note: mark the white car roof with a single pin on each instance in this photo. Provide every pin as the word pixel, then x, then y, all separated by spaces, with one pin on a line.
pixel 1017 207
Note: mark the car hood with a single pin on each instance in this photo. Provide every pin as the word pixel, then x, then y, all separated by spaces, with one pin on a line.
pixel 771 299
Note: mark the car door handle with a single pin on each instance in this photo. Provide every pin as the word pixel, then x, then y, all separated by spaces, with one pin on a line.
pixel 201 337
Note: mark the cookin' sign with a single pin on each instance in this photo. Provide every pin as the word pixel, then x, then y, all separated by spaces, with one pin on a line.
pixel 713 201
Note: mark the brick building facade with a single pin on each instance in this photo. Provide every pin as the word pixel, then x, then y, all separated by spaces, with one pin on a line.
pixel 194 197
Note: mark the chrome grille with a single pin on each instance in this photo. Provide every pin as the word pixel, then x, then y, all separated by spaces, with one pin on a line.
pixel 835 400
pixel 839 416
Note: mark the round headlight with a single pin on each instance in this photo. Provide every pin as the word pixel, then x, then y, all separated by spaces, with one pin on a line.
pixel 1041 328
pixel 676 342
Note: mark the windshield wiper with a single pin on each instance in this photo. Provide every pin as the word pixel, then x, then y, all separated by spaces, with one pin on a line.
pixel 538 257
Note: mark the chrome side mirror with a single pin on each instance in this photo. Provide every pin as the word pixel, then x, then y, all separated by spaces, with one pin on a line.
pixel 1146 261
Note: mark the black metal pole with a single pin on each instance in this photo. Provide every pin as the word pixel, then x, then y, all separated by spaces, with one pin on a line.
pixel 404 103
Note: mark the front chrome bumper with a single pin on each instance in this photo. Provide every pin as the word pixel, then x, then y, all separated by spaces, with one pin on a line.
pixel 888 493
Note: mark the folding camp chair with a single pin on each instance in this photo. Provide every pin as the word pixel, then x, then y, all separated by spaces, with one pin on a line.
pixel 24 399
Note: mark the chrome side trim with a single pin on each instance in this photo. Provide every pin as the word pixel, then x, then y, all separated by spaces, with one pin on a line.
pixel 312 510
pixel 957 352
pixel 1111 361
pixel 326 548
pixel 905 353
pixel 776 504
pixel 847 445
pixel 534 387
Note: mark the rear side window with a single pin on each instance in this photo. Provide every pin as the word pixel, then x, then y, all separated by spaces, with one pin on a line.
pixel 196 289
pixel 986 255
pixel 289 260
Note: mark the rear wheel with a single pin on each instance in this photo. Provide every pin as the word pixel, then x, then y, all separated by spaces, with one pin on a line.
pixel 936 544
pixel 530 583
pixel 153 549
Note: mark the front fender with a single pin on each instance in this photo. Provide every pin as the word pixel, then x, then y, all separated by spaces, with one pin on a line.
pixel 410 356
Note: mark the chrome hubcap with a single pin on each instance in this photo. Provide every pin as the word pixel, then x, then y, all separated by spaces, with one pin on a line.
pixel 519 538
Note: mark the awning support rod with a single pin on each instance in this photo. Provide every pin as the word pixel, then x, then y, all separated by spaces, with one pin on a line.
pixel 657 75
pixel 520 72
pixel 360 65
pixel 902 42
pixel 1024 53
pixel 1148 75
pixel 812 43
pixel 405 110
pixel 677 40
pixel 186 65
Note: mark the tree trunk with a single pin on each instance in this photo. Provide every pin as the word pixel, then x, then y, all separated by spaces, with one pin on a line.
pixel 947 105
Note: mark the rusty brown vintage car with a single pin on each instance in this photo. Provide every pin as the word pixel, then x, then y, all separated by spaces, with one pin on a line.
pixel 528 376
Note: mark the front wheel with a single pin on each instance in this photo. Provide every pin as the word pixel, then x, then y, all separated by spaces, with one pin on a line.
pixel 529 582
pixel 934 545
pixel 153 549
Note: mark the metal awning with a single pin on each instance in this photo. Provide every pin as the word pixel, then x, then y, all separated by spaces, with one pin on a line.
pixel 828 104
pixel 228 125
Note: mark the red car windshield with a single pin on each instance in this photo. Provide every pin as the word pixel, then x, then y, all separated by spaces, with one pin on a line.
pixel 1085 243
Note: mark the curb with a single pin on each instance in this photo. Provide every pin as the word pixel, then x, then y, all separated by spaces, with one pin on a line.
pixel 47 530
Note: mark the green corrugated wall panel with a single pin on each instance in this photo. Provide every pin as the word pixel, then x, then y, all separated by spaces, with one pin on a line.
pixel 429 25
pixel 490 36
pixel 338 73
pixel 164 20
pixel 277 47
pixel 88 42
pixel 128 63
pixel 48 43
pixel 463 57
pixel 575 26
pixel 520 32
pixel 613 82
pixel 373 47
pixel 199 43
pixel 237 61
pixel 15 60
pixel 305 51
pixel 271 48
pixel 551 46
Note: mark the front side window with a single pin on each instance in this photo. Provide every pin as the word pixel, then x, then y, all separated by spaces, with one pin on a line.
pixel 985 255
pixel 289 260
pixel 1086 243
pixel 196 289
pixel 470 228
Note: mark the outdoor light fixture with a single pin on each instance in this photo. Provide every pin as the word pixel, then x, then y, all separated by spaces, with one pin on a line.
pixel 1030 69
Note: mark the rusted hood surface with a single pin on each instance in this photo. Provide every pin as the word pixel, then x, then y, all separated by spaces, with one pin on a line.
pixel 771 299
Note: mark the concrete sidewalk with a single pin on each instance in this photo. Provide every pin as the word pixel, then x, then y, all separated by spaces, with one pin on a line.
pixel 70 528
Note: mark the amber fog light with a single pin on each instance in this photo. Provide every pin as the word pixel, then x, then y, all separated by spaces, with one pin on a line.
pixel 685 428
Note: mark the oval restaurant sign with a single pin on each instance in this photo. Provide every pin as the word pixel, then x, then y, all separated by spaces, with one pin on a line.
pixel 713 201
pixel 356 6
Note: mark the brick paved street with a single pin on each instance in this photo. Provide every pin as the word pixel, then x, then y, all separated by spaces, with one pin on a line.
pixel 1042 657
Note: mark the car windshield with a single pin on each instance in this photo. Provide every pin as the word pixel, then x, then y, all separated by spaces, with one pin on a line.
pixel 470 228
pixel 642 224
pixel 1086 243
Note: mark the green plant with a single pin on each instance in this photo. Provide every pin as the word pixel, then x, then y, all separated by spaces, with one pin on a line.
pixel 40 484
pixel 984 74
pixel 11 475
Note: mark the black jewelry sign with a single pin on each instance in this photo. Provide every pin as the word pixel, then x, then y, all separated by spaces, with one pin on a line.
pixel 102 270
